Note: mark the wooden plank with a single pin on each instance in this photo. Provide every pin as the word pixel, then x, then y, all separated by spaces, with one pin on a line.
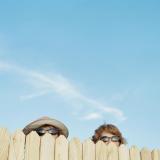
pixel 12 154
pixel 17 145
pixel 4 143
pixel 155 154
pixel 47 147
pixel 112 151
pixel 75 149
pixel 32 146
pixel 88 150
pixel 101 151
pixel 123 152
pixel 134 153
pixel 61 150
pixel 159 154
pixel 146 154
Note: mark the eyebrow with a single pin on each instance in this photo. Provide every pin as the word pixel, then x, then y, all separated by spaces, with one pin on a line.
pixel 103 137
pixel 106 136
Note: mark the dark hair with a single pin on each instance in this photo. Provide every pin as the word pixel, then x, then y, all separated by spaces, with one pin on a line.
pixel 109 128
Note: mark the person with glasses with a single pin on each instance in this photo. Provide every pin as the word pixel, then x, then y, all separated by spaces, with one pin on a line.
pixel 47 125
pixel 108 133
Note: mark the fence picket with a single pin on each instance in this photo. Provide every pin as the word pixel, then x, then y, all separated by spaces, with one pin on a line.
pixel 19 144
pixel 75 149
pixel 4 143
pixel 101 151
pixel 134 153
pixel 123 152
pixel 12 154
pixel 47 147
pixel 112 150
pixel 155 155
pixel 61 150
pixel 88 150
pixel 159 154
pixel 145 154
pixel 32 146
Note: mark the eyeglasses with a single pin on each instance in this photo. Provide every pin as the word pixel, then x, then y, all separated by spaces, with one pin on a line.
pixel 113 139
pixel 42 131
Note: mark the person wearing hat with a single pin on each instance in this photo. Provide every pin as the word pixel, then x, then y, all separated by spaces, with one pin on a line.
pixel 47 125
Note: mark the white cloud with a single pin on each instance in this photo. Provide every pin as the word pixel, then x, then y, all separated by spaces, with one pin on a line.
pixel 33 95
pixel 104 109
pixel 67 90
pixel 92 116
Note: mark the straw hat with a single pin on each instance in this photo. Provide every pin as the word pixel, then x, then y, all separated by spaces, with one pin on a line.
pixel 46 121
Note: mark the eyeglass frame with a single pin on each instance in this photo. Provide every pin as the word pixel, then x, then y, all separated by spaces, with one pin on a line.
pixel 55 131
pixel 109 138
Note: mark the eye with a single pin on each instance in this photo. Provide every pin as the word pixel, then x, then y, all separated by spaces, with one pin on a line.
pixel 40 130
pixel 53 131
pixel 115 139
pixel 104 139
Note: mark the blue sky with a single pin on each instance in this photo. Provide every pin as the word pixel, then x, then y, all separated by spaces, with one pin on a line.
pixel 84 63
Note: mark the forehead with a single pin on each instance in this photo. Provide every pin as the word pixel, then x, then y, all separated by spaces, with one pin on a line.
pixel 106 134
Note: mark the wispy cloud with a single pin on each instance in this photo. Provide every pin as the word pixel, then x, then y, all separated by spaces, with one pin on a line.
pixel 33 95
pixel 67 90
pixel 92 116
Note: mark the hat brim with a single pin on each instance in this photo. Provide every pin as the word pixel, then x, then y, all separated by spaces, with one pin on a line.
pixel 46 121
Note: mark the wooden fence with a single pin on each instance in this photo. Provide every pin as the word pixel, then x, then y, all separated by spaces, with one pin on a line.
pixel 33 147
